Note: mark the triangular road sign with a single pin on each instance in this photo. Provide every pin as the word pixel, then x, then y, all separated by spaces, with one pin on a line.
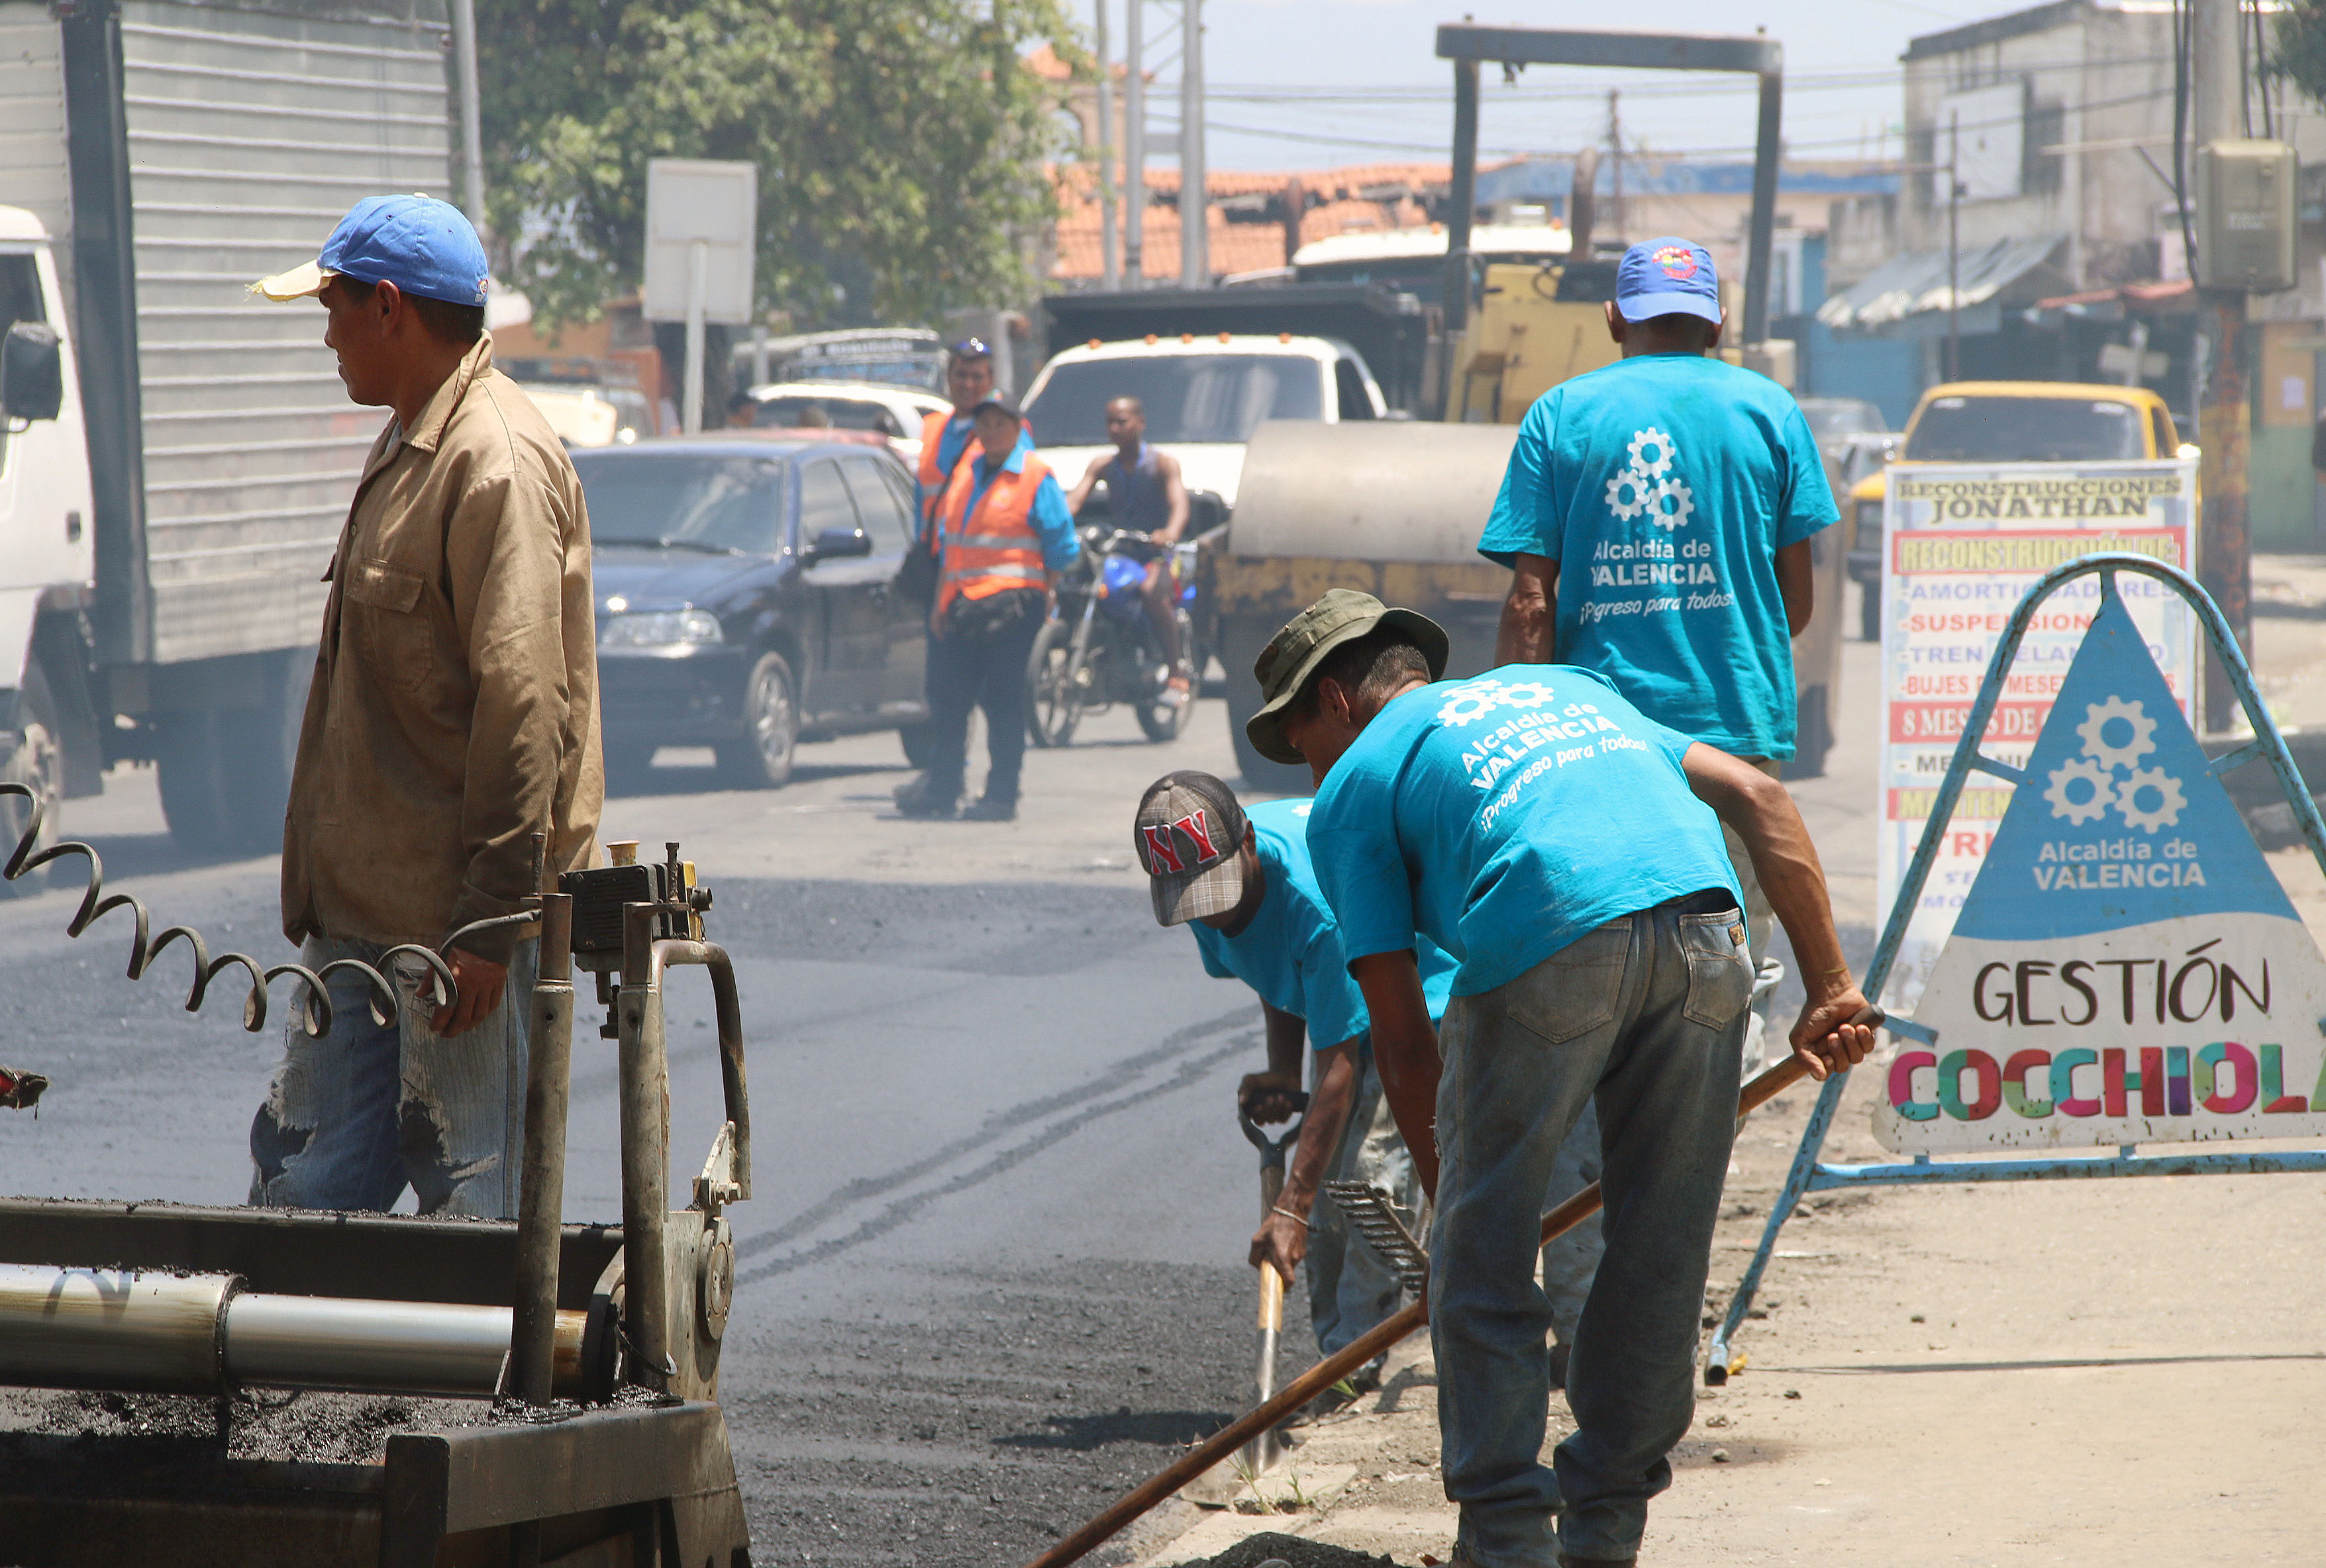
pixel 2126 968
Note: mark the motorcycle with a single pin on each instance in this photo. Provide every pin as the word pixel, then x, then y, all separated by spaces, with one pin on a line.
pixel 1099 645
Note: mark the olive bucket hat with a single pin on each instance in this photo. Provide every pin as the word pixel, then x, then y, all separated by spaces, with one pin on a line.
pixel 1292 655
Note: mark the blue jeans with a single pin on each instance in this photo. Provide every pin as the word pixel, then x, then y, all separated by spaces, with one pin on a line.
pixel 988 671
pixel 1570 1261
pixel 1644 1017
pixel 353 1118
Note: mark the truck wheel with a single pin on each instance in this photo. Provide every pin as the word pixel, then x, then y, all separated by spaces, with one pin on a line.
pixel 1258 772
pixel 762 757
pixel 1812 736
pixel 37 761
pixel 1869 612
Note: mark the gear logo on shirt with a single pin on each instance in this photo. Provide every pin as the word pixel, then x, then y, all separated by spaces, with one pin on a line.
pixel 2116 734
pixel 1647 487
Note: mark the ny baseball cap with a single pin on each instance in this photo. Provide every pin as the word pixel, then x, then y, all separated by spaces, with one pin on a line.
pixel 1667 277
pixel 1189 832
pixel 1342 616
pixel 423 245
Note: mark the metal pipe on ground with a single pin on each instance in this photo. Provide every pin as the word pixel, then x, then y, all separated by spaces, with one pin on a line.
pixel 1349 1358
pixel 164 1333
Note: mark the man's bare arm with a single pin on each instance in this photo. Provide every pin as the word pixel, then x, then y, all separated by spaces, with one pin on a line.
pixel 1175 498
pixel 1271 1097
pixel 1083 485
pixel 1405 1052
pixel 1797 585
pixel 1281 1240
pixel 1524 636
pixel 1764 816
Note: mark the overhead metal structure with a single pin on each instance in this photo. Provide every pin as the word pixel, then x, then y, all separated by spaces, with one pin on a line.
pixel 1468 44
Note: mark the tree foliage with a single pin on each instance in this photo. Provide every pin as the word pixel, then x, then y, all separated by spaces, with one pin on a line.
pixel 2297 48
pixel 901 143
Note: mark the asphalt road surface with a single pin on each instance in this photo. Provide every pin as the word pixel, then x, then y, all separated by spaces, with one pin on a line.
pixel 993 1275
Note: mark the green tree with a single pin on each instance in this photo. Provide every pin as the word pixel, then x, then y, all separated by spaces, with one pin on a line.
pixel 2297 48
pixel 902 145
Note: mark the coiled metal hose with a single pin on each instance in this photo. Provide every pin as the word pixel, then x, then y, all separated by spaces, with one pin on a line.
pixel 314 999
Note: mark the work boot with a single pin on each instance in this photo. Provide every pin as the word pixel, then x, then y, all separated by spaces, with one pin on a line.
pixel 987 808
pixel 1558 1366
pixel 924 797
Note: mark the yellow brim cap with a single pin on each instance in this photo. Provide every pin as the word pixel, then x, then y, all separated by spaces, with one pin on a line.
pixel 300 283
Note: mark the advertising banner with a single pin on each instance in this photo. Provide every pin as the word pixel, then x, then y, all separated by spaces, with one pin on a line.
pixel 1961 545
pixel 2126 968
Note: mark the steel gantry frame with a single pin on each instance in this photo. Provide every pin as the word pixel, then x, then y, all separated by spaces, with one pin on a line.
pixel 1468 44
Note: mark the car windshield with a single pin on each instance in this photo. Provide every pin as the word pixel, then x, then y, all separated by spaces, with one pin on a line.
pixel 683 500
pixel 1189 397
pixel 2025 430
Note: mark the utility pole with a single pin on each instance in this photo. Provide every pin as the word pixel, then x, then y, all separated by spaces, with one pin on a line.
pixel 2224 420
pixel 1134 146
pixel 1954 247
pixel 1110 262
pixel 1615 153
pixel 472 119
pixel 1195 210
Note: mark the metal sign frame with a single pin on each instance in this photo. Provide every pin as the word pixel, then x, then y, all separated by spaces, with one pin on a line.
pixel 1466 44
pixel 1809 1173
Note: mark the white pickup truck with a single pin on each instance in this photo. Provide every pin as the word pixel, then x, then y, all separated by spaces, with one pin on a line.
pixel 178 458
pixel 1204 396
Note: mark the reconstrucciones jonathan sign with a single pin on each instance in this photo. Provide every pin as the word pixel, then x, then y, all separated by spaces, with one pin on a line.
pixel 1961 545
pixel 2125 968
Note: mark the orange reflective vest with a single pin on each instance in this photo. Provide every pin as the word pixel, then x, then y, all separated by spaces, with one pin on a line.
pixel 932 478
pixel 994 548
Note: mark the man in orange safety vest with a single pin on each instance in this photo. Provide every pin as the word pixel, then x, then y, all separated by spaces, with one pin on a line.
pixel 1002 535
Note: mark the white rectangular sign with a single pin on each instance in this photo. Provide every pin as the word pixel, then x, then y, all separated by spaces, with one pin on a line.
pixel 1961 545
pixel 691 202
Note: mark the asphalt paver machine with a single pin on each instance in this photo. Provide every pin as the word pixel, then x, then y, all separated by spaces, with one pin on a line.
pixel 539 1393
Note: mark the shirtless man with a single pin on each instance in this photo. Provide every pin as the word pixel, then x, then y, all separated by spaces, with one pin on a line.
pixel 1150 498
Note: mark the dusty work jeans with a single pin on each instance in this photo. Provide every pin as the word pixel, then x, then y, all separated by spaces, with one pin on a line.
pixel 369 1109
pixel 1350 1288
pixel 1644 1016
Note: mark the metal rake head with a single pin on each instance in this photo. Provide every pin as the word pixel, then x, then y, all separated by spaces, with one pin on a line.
pixel 1371 1216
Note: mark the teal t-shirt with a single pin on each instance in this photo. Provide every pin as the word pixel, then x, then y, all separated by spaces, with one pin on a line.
pixel 1664 486
pixel 1503 817
pixel 1290 953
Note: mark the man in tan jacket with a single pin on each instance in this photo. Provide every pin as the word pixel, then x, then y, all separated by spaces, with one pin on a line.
pixel 454 714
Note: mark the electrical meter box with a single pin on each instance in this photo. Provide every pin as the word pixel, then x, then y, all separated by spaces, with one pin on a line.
pixel 2245 216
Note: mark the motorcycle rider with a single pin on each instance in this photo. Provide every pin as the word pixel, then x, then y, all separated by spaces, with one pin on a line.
pixel 1148 497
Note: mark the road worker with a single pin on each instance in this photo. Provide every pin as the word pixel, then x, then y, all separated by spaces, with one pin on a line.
pixel 947 438
pixel 1566 850
pixel 454 714
pixel 1239 880
pixel 1002 535
pixel 1681 493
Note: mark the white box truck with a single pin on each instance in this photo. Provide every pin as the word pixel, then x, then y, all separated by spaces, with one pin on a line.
pixel 177 456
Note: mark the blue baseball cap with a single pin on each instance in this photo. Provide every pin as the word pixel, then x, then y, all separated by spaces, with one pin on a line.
pixel 423 245
pixel 1666 277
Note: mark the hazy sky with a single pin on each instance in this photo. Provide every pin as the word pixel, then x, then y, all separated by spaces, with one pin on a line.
pixel 1841 65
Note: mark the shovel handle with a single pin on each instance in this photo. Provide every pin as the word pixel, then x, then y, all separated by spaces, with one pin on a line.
pixel 1271 1300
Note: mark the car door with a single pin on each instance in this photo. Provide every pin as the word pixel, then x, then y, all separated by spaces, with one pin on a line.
pixel 884 500
pixel 851 592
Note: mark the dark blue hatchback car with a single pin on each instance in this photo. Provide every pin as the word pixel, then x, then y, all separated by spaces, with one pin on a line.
pixel 747 597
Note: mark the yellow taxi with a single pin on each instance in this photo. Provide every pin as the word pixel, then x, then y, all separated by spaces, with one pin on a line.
pixel 2006 421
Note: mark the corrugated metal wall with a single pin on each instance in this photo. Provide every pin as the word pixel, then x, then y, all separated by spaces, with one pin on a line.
pixel 250 135
pixel 32 120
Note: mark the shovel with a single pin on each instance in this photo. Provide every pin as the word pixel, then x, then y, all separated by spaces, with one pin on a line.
pixel 1263 1450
